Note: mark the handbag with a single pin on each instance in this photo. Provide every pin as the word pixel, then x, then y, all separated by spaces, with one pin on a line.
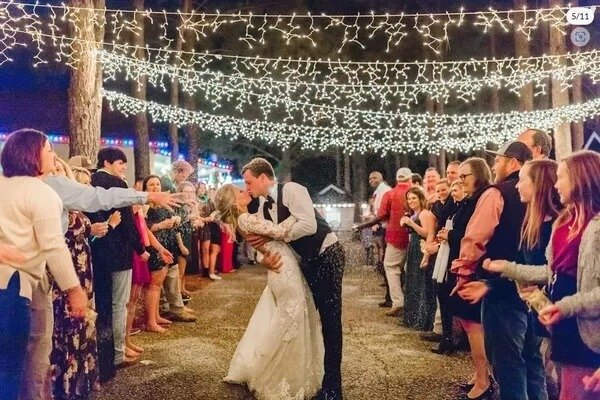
pixel 440 269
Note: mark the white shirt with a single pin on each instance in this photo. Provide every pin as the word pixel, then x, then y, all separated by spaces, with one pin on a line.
pixel 298 201
pixel 30 220
pixel 381 189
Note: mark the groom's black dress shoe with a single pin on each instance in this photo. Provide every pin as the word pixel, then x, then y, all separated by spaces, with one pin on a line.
pixel 328 394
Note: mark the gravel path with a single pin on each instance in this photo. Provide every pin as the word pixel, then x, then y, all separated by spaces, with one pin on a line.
pixel 381 359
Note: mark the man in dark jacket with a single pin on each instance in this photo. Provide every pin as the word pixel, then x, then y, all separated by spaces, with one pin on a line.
pixel 113 260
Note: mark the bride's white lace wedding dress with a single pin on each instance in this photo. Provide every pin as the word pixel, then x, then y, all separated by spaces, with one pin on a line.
pixel 280 356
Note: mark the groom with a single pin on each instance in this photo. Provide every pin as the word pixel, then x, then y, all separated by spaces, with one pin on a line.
pixel 322 257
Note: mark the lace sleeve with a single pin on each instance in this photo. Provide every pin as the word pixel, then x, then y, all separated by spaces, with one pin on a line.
pixel 251 224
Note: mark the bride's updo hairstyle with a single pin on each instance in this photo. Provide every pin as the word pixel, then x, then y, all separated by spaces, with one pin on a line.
pixel 226 206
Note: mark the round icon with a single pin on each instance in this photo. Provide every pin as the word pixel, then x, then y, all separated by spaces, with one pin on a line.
pixel 580 36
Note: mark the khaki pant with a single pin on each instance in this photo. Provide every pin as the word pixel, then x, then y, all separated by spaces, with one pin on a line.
pixel 393 263
pixel 36 383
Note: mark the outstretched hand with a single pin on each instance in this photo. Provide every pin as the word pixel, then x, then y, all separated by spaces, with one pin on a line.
pixel 166 199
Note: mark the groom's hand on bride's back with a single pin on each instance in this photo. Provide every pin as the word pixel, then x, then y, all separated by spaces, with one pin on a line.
pixel 272 260
pixel 257 241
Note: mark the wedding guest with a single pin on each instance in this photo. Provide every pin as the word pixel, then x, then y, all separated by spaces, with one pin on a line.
pixel 380 187
pixel 475 177
pixel 82 175
pixel 113 261
pixel 494 230
pixel 419 294
pixel 417 181
pixel 162 223
pixel 538 141
pixel 432 176
pixel 393 207
pixel 444 288
pixel 172 302
pixel 442 193
pixel 30 212
pixel 215 241
pixel 75 197
pixel 571 275
pixel 190 220
pixel 74 356
pixel 452 171
pixel 227 241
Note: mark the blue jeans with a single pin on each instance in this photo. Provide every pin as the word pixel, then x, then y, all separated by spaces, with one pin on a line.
pixel 121 285
pixel 513 349
pixel 14 336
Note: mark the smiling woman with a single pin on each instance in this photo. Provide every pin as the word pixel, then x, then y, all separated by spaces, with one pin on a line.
pixel 30 213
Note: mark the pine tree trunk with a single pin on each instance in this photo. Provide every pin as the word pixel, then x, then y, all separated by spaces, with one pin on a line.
pixel 174 94
pixel 359 177
pixel 347 173
pixel 192 131
pixel 85 87
pixel 338 168
pixel 441 158
pixel 495 98
pixel 562 132
pixel 522 49
pixel 141 150
pixel 432 158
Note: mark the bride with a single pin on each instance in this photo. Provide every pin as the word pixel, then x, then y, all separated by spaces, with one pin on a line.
pixel 281 353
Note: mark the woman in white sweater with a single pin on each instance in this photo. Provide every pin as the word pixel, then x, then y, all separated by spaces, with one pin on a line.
pixel 30 225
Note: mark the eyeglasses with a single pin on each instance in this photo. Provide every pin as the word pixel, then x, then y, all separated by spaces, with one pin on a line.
pixel 463 177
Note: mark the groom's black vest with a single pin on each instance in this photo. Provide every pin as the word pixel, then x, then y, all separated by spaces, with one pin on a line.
pixel 307 247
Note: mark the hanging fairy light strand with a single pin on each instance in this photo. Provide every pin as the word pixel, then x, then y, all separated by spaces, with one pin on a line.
pixel 415 133
pixel 462 82
pixel 294 29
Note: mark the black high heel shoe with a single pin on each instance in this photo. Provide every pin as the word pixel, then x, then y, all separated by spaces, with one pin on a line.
pixel 446 347
pixel 486 395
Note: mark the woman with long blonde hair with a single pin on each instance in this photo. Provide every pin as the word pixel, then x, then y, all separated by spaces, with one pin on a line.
pixel 281 354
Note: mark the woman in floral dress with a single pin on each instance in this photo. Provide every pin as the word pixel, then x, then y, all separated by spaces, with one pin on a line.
pixel 74 353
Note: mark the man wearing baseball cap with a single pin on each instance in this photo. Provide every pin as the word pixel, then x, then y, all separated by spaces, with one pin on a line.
pixel 494 232
pixel 392 209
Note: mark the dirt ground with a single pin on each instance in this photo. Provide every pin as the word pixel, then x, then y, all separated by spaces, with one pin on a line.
pixel 382 360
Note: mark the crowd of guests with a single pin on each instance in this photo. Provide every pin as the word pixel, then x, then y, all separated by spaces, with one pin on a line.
pixel 83 257
pixel 509 255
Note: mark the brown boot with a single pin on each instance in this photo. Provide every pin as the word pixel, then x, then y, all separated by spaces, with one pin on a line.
pixel 183 316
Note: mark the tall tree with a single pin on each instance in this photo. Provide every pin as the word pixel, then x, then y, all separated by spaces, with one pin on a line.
pixel 174 93
pixel 141 150
pixel 359 167
pixel 85 86
pixel 560 98
pixel 347 173
pixel 192 130
pixel 522 49
pixel 338 168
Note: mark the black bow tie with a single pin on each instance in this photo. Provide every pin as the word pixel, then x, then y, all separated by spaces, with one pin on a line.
pixel 267 206
pixel 269 202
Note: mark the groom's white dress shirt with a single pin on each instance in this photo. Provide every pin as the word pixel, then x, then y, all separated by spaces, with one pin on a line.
pixel 298 201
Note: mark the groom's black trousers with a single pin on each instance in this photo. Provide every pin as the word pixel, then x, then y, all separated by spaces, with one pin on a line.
pixel 324 277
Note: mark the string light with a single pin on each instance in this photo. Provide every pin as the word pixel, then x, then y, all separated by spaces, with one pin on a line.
pixel 341 30
pixel 416 132
pixel 462 80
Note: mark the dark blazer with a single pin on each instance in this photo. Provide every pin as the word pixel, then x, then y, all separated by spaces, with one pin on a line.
pixel 114 252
